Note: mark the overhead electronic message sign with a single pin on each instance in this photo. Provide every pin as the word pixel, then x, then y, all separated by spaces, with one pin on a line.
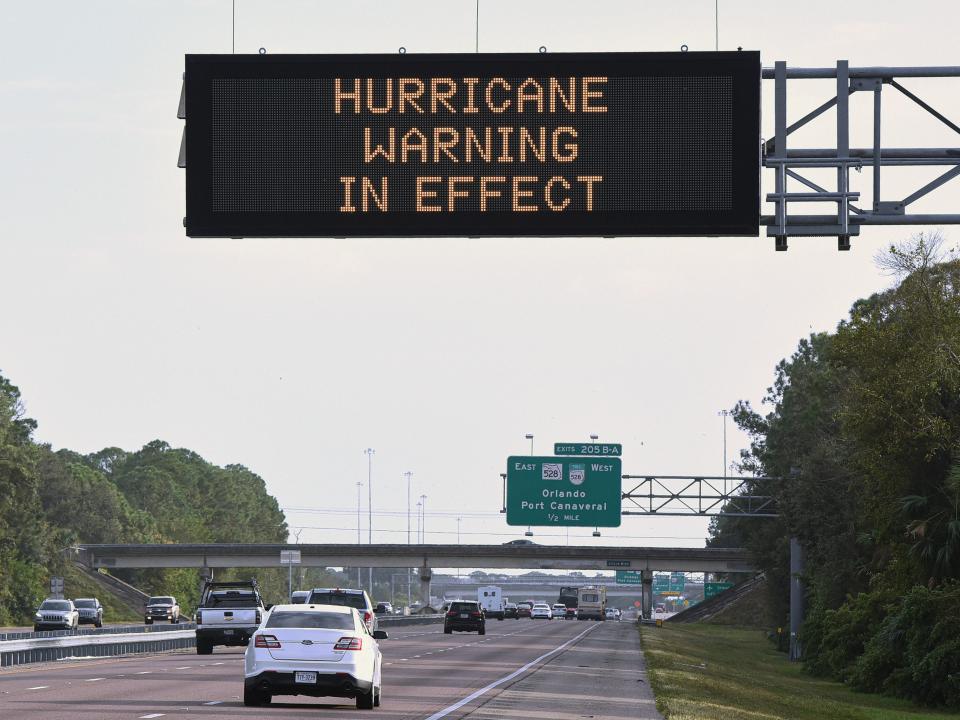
pixel 473 145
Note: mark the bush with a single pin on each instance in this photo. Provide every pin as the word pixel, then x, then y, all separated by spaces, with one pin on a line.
pixel 915 653
pixel 833 640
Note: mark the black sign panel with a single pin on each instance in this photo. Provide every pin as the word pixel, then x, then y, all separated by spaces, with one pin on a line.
pixel 472 145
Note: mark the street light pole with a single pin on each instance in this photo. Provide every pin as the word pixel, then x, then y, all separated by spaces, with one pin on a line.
pixel 369 453
pixel 529 436
pixel 359 485
pixel 423 511
pixel 408 475
pixel 725 413
pixel 418 523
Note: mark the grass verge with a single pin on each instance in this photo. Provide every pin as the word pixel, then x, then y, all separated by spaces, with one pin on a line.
pixel 115 610
pixel 708 672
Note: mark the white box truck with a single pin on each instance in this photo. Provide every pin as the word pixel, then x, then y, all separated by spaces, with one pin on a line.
pixel 491 601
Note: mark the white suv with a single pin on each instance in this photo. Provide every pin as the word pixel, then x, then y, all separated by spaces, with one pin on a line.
pixel 348 597
pixel 56 615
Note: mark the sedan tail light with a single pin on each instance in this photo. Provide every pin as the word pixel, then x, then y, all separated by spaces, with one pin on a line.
pixel 367 616
pixel 199 618
pixel 452 613
pixel 349 643
pixel 476 614
pixel 266 641
pixel 258 617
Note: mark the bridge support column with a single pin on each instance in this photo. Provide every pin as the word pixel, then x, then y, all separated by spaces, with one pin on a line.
pixel 205 575
pixel 646 594
pixel 425 576
pixel 797 598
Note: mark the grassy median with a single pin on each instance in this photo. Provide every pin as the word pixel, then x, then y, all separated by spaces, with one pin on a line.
pixel 708 672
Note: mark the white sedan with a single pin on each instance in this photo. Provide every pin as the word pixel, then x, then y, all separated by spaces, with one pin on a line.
pixel 541 610
pixel 315 650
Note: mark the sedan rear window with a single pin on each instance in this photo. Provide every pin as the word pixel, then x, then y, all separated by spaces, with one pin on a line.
pixel 85 603
pixel 345 599
pixel 160 601
pixel 320 620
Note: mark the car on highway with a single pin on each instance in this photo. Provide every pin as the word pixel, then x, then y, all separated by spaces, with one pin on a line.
pixel 559 611
pixel 516 543
pixel 348 597
pixel 383 608
pixel 314 650
pixel 465 616
pixel 229 614
pixel 90 611
pixel 612 613
pixel 523 609
pixel 510 611
pixel 56 614
pixel 541 611
pixel 298 597
pixel 160 608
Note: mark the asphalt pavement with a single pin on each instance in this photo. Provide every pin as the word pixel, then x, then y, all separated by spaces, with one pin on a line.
pixel 536 669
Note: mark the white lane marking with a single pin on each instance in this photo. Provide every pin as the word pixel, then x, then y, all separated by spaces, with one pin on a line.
pixel 218 663
pixel 93 679
pixel 474 695
pixel 144 672
pixel 151 715
pixel 213 702
pixel 39 687
pixel 185 667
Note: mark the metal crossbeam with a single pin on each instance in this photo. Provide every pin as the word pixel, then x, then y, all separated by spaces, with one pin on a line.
pixel 703 495
pixel 849 219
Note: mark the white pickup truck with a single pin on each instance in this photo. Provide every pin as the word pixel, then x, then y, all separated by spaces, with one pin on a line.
pixel 229 614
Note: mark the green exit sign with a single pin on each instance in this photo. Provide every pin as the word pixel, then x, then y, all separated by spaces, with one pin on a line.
pixel 562 491
pixel 588 449
pixel 629 577
pixel 715 588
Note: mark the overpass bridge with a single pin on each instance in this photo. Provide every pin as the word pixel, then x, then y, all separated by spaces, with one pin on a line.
pixel 206 557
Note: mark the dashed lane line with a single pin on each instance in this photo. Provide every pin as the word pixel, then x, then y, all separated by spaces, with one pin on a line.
pixel 506 678
pixel 151 715
pixel 39 687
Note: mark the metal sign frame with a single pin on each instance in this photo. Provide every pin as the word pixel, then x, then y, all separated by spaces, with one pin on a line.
pixel 788 163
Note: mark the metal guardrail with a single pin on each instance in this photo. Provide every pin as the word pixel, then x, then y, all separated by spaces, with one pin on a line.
pixel 400 620
pixel 58 647
pixel 114 630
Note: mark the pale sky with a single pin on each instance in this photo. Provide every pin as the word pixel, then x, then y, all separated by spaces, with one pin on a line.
pixel 292 356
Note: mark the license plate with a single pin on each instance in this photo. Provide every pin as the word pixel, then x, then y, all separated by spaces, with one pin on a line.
pixel 464 615
pixel 228 632
pixel 305 677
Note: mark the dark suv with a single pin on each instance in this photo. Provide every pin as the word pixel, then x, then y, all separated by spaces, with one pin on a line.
pixel 465 615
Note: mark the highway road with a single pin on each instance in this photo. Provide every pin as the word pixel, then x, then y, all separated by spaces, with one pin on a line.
pixel 533 669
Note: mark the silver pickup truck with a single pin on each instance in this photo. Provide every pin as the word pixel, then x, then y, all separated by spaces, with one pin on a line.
pixel 229 613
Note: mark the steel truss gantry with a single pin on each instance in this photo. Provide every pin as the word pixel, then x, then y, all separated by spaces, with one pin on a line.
pixel 703 495
pixel 788 164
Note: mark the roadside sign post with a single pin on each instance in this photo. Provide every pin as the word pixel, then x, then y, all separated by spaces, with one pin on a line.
pixel 563 491
pixel 56 587
pixel 289 558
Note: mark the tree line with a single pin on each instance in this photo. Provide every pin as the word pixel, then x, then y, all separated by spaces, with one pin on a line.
pixel 862 428
pixel 52 499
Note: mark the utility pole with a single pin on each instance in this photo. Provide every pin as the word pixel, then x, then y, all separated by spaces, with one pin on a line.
pixel 359 485
pixel 369 453
pixel 529 436
pixel 408 474
pixel 725 413
pixel 423 512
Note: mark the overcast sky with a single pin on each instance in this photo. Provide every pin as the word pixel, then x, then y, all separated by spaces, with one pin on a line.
pixel 292 356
